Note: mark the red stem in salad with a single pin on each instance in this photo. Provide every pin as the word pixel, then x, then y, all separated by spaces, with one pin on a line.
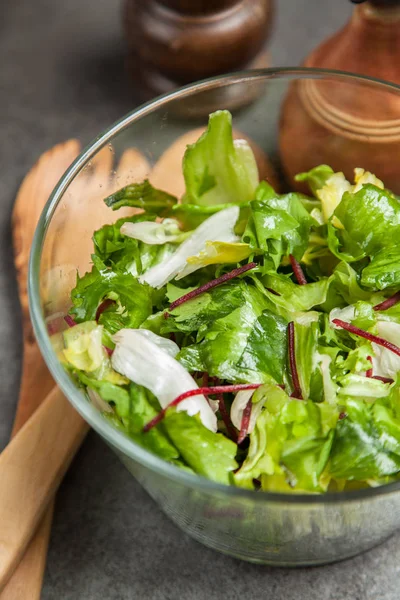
pixel 369 372
pixel 226 419
pixel 384 379
pixel 292 362
pixel 368 336
pixel 211 284
pixel 69 321
pixel 297 270
pixel 244 425
pixel 389 302
pixel 103 306
pixel 203 391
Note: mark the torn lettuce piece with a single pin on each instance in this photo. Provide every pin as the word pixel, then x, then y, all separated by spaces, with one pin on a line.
pixel 279 225
pixel 306 335
pixel 219 227
pixel 146 363
pixel 292 439
pixel 386 363
pixel 384 269
pixel 83 346
pixel 154 233
pixel 366 446
pixel 293 297
pixel 316 177
pixel 111 246
pixel 247 345
pixel 217 253
pixel 371 221
pixel 347 284
pixel 201 312
pixel 218 169
pixel 207 453
pixel 329 187
pixel 142 195
pixel 132 302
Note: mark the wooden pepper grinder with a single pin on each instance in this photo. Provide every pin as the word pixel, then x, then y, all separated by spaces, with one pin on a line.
pixel 348 125
pixel 174 42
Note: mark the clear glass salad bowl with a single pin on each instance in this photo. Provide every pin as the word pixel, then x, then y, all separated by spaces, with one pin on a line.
pixel 295 119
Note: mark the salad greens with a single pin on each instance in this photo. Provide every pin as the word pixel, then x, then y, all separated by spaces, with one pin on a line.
pixel 244 335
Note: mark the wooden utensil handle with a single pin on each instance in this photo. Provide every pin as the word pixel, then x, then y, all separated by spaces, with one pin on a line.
pixel 31 468
pixel 26 581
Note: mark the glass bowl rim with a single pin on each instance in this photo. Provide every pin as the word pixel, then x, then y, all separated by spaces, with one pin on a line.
pixel 117 439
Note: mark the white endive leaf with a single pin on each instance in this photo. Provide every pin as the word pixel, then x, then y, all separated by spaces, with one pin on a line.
pixel 330 388
pixel 218 227
pixel 146 363
pixel 163 343
pixel 386 363
pixel 238 406
pixel 346 314
pixel 154 233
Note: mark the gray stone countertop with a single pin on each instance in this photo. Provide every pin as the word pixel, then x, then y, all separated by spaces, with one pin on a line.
pixel 62 76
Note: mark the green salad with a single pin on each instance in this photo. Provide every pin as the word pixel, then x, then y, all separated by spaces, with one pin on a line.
pixel 247 336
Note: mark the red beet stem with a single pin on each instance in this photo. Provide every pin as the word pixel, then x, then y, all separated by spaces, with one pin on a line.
pixel 203 391
pixel 244 425
pixel 292 362
pixel 103 306
pixel 108 350
pixel 297 270
pixel 368 336
pixel 384 379
pixel 69 321
pixel 212 284
pixel 226 418
pixel 389 302
pixel 369 372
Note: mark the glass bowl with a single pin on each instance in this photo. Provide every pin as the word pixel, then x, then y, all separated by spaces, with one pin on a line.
pixel 272 108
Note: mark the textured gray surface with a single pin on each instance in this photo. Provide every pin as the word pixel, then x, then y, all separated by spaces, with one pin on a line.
pixel 62 76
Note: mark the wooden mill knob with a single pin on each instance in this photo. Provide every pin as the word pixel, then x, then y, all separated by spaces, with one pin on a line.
pixel 174 42
pixel 345 124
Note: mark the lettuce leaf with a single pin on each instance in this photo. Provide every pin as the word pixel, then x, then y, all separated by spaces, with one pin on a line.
pixel 249 344
pixel 290 445
pixel 367 442
pixel 371 221
pixel 278 225
pixel 142 195
pixel 132 301
pixel 217 169
pixel 207 453
pixel 384 269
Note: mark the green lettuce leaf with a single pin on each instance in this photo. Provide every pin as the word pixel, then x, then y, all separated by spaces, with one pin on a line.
pixel 367 442
pixel 217 169
pixel 132 301
pixel 316 177
pixel 370 219
pixel 306 351
pixel 290 445
pixel 142 195
pixel 384 269
pixel 293 297
pixel 249 345
pixel 207 453
pixel 278 225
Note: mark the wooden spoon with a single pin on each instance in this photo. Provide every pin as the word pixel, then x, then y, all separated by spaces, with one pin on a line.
pixel 33 464
pixel 36 381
